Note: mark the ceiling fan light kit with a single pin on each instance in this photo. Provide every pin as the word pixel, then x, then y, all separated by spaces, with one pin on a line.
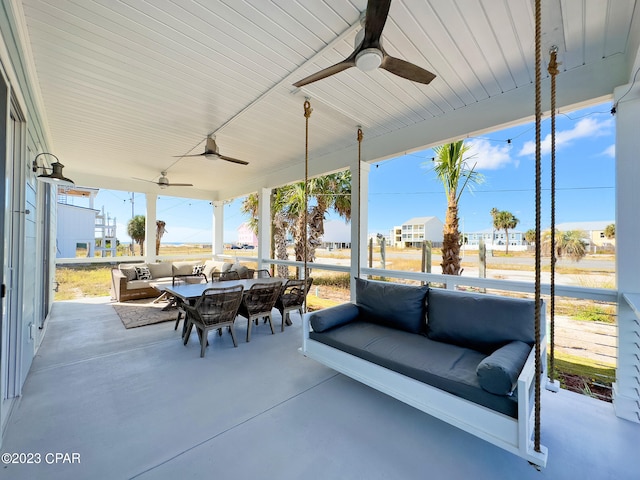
pixel 369 59
pixel 369 54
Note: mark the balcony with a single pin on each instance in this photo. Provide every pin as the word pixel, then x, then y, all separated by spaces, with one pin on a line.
pixel 138 404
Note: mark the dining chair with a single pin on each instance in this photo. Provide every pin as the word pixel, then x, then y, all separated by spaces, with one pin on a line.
pixel 215 309
pixel 262 273
pixel 291 298
pixel 257 303
pixel 229 275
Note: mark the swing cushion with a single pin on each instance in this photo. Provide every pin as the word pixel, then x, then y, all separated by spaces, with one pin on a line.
pixel 392 304
pixel 478 321
pixel 498 373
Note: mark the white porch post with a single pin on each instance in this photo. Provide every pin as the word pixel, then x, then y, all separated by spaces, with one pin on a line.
pixel 150 228
pixel 264 226
pixel 359 220
pixel 217 245
pixel 626 389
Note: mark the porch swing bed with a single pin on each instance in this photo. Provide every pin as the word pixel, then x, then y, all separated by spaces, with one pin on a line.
pixel 465 358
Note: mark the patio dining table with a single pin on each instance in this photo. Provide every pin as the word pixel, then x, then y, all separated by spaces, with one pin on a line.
pixel 189 293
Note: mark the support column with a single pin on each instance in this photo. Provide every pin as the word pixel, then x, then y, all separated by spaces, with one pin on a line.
pixel 359 220
pixel 217 239
pixel 264 226
pixel 626 389
pixel 150 228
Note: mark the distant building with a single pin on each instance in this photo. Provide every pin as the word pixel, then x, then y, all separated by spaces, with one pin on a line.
pixel 246 236
pixel 495 239
pixel 594 233
pixel 81 227
pixel 415 231
pixel 337 235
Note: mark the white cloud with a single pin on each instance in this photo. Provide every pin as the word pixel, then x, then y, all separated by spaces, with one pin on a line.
pixel 488 156
pixel 587 127
pixel 610 151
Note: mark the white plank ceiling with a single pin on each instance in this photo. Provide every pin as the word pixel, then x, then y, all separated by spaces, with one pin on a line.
pixel 126 85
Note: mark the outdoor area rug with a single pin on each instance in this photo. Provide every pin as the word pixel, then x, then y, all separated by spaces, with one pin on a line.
pixel 138 313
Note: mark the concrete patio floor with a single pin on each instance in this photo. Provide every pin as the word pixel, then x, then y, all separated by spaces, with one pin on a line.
pixel 138 404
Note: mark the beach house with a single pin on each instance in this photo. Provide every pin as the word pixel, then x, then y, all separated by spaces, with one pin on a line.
pixel 200 97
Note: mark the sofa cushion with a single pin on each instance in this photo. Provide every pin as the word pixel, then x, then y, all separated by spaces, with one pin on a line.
pixel 328 318
pixel 184 268
pixel 392 304
pixel 243 272
pixel 498 373
pixel 442 365
pixel 211 266
pixel 143 273
pixel 479 321
pixel 140 284
pixel 160 270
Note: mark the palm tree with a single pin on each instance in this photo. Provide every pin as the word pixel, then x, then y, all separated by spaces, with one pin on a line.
pixel 136 230
pixel 610 231
pixel 279 222
pixel 530 236
pixel 503 220
pixel 160 231
pixel 330 192
pixel 287 211
pixel 451 168
pixel 568 244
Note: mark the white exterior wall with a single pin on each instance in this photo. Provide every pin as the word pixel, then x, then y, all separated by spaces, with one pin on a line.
pixel 75 225
pixel 23 220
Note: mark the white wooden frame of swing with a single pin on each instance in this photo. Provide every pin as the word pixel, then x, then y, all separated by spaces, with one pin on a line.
pixel 511 434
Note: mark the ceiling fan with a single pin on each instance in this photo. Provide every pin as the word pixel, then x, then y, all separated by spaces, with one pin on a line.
pixel 211 151
pixel 369 54
pixel 163 181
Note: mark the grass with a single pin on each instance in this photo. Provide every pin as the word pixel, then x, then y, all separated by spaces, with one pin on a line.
pixel 82 281
pixel 584 376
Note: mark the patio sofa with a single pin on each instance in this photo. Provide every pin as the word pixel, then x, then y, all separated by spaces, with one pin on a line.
pixel 466 358
pixel 129 281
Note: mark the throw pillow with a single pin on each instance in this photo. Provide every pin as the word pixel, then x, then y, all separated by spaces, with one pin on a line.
pixel 498 373
pixel 198 269
pixel 129 272
pixel 337 316
pixel 143 273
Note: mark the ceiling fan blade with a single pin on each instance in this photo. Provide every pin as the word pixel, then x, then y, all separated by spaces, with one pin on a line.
pixel 183 156
pixel 327 72
pixel 407 70
pixel 181 184
pixel 233 160
pixel 376 17
pixel 144 180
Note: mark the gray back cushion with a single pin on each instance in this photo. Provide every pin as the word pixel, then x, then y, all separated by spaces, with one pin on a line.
pixel 478 321
pixel 392 304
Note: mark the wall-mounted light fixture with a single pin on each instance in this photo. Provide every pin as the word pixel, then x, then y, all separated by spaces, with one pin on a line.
pixel 55 176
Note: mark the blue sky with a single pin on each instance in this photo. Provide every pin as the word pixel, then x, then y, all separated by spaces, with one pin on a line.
pixel 406 187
